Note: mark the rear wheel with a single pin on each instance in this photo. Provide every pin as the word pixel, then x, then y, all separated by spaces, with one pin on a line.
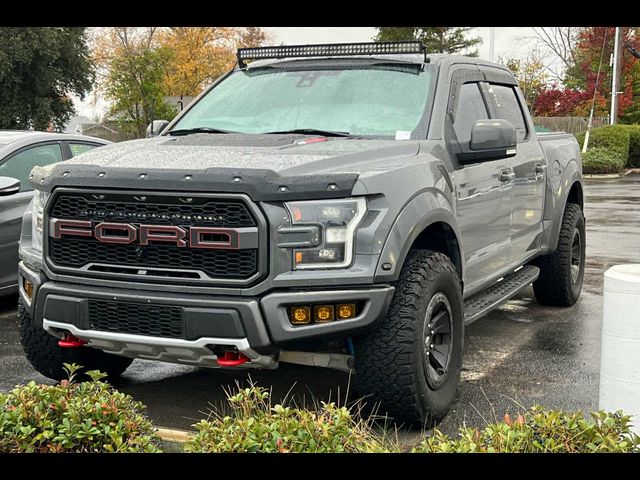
pixel 562 272
pixel 408 366
pixel 48 358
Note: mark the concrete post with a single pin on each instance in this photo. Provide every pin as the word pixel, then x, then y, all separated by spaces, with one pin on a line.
pixel 620 359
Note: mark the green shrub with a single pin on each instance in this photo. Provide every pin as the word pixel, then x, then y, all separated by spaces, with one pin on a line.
pixel 634 145
pixel 611 137
pixel 541 431
pixel 602 160
pixel 253 425
pixel 74 417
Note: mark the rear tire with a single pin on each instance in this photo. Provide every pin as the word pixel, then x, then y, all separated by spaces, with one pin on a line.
pixel 48 358
pixel 562 272
pixel 408 372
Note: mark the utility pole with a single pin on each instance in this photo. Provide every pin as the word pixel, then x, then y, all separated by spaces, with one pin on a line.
pixel 492 43
pixel 615 80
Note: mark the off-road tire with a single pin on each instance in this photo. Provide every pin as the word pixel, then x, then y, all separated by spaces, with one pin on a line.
pixel 47 357
pixel 556 286
pixel 390 368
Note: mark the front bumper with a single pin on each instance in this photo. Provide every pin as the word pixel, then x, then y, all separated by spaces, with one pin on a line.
pixel 256 326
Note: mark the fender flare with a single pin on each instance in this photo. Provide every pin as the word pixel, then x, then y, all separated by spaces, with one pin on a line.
pixel 406 229
pixel 570 177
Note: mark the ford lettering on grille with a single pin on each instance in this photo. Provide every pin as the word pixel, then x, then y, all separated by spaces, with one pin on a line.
pixel 144 236
pixel 126 233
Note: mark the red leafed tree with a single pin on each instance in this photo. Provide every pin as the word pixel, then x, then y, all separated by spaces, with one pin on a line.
pixel 576 96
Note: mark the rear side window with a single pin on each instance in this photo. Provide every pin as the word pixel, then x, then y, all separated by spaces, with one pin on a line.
pixel 470 108
pixel 78 148
pixel 508 108
pixel 20 165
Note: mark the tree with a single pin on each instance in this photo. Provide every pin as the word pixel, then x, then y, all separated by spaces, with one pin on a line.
pixel 132 66
pixel 199 55
pixel 631 114
pixel 590 49
pixel 582 86
pixel 40 68
pixel 531 74
pixel 561 43
pixel 139 67
pixel 435 39
pixel 252 37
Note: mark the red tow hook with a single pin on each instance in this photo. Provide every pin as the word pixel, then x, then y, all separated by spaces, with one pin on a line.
pixel 71 341
pixel 232 359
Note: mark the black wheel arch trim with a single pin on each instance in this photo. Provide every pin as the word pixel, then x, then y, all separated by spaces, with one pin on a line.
pixel 406 230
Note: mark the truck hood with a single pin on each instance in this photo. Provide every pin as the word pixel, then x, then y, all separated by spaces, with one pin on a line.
pixel 284 154
pixel 265 167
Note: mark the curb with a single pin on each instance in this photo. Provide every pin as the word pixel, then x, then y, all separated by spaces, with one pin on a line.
pixel 172 439
pixel 613 175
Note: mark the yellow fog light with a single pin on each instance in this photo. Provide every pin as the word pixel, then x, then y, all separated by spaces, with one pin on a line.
pixel 300 315
pixel 323 313
pixel 28 288
pixel 346 310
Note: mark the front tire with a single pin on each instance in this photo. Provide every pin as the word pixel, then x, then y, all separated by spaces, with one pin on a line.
pixel 409 364
pixel 562 272
pixel 48 358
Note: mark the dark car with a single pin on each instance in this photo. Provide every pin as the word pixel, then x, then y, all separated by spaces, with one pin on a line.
pixel 20 151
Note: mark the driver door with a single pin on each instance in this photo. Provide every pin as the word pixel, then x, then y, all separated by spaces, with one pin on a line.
pixel 483 194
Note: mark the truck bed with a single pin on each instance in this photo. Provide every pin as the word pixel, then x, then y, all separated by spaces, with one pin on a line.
pixel 559 147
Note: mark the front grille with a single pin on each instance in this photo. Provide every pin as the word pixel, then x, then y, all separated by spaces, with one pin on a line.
pixel 199 211
pixel 136 319
pixel 215 263
pixel 165 259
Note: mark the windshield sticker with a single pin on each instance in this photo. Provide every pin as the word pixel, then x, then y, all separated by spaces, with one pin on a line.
pixel 403 135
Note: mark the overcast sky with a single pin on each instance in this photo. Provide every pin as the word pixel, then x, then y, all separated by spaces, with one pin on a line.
pixel 509 42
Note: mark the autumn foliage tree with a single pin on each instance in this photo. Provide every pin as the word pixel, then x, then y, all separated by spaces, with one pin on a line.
pixel 131 67
pixel 199 55
pixel 139 67
pixel 582 84
pixel 530 73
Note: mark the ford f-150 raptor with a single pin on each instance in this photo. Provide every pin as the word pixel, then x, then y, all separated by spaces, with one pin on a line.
pixel 343 205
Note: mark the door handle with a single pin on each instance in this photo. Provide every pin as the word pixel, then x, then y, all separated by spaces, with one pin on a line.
pixel 540 169
pixel 507 175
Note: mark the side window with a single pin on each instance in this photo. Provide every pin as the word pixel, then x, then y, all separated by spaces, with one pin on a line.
pixel 78 148
pixel 20 165
pixel 508 108
pixel 470 108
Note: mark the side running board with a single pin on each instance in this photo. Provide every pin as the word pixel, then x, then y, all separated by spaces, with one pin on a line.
pixel 481 303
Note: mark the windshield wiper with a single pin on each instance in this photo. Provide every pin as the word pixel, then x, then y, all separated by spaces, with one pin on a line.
pixel 312 131
pixel 189 131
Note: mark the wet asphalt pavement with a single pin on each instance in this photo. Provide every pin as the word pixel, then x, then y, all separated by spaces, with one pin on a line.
pixel 520 355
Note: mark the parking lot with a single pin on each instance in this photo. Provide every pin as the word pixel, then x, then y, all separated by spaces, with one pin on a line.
pixel 520 355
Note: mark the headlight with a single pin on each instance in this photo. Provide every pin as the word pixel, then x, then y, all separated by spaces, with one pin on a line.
pixel 37 218
pixel 338 220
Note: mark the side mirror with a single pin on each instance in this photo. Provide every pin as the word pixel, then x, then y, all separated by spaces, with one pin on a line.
pixel 156 127
pixel 490 139
pixel 9 186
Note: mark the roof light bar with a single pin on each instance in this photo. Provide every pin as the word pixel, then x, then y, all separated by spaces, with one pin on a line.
pixel 329 50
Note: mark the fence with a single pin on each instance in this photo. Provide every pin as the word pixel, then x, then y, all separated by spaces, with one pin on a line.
pixel 573 125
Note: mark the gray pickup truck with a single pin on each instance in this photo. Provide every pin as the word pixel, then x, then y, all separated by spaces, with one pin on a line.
pixel 348 205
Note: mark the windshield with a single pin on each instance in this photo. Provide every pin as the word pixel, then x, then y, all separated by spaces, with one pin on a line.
pixel 376 100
